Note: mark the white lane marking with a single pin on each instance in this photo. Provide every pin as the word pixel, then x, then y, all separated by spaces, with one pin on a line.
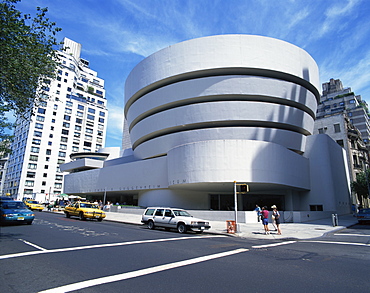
pixel 273 244
pixel 33 245
pixel 103 245
pixel 138 273
pixel 361 235
pixel 337 242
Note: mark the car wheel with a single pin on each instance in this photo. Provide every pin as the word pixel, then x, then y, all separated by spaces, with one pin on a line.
pixel 29 223
pixel 68 215
pixel 81 216
pixel 100 219
pixel 181 228
pixel 151 225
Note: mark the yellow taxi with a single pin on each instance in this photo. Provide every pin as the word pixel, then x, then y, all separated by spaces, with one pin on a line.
pixel 84 210
pixel 34 205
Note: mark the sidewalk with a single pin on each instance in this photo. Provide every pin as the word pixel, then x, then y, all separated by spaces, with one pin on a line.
pixel 292 231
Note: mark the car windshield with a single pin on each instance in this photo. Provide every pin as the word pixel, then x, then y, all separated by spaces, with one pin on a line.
pixel 13 205
pixel 88 205
pixel 33 201
pixel 181 213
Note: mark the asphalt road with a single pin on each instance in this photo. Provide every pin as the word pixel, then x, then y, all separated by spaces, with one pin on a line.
pixel 57 254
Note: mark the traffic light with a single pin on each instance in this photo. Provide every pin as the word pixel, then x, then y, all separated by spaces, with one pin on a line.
pixel 242 188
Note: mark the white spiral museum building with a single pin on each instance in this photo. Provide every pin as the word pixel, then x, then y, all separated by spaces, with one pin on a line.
pixel 206 112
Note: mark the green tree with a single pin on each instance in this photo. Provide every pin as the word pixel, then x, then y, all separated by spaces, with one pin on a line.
pixel 361 185
pixel 28 61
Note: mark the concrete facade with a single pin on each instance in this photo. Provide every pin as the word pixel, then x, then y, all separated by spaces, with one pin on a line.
pixel 207 112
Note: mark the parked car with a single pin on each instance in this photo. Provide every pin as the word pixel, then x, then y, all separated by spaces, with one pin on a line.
pixel 84 210
pixel 12 211
pixel 34 205
pixel 363 216
pixel 173 218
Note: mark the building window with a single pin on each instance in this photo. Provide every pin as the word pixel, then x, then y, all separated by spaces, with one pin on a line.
pixel 39 126
pixel 65 131
pixel 69 103
pixel 90 117
pixel 36 141
pixel 67 117
pixel 337 128
pixel 63 146
pixel 100 93
pixel 59 177
pixel 45 175
pixel 87 144
pixel 101 113
pixel 64 139
pixel 66 124
pixel 32 166
pixel 46 167
pixel 55 107
pixel 37 133
pixel 29 183
pixel 51 135
pixel 62 154
pixel 91 110
pixel 40 118
pixel 317 207
pixel 43 183
pixel 58 185
pixel 88 137
pixel 35 149
pixel 75 149
pixel 48 152
pixel 28 191
pixel 61 161
pixel 41 110
pixel 89 130
pixel 79 114
pixel 78 120
pixel 34 158
pixel 68 111
pixel 80 107
pixel 31 174
pixel 100 102
pixel 77 134
pixel 340 142
pixel 78 128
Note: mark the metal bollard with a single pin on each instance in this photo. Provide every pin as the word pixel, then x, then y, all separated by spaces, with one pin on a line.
pixel 334 218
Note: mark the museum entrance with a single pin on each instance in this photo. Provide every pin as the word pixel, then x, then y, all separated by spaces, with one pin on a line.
pixel 246 202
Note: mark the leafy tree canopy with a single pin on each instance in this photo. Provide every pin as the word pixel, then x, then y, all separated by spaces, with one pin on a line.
pixel 28 60
pixel 361 185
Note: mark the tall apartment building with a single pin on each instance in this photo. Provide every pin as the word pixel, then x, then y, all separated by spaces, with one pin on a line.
pixel 344 117
pixel 336 99
pixel 72 118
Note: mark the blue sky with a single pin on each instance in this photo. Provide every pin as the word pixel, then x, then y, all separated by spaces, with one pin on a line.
pixel 117 34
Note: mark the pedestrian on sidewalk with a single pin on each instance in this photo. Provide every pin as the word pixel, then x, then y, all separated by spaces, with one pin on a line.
pixel 258 211
pixel 276 217
pixel 265 220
